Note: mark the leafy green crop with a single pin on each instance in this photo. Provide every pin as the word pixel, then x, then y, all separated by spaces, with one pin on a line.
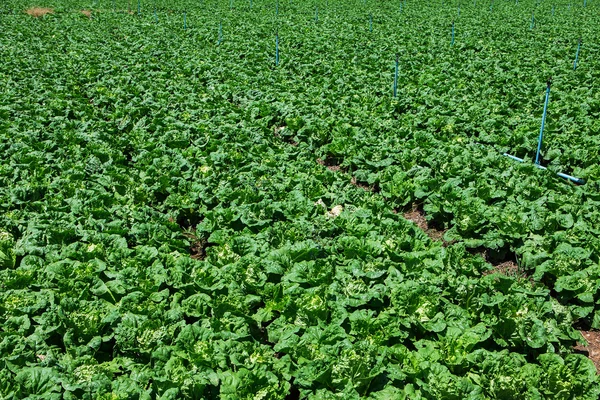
pixel 166 229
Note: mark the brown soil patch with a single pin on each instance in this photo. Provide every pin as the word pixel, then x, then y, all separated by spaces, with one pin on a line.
pixel 417 216
pixel 37 12
pixel 333 168
pixel 501 266
pixel 198 245
pixel 508 268
pixel 592 350
pixel 361 185
pixel 332 164
pixel 87 13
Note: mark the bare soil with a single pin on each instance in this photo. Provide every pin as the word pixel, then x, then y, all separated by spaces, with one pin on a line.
pixel 508 268
pixel 592 350
pixel 332 164
pixel 417 216
pixel 198 245
pixel 37 12
pixel 361 185
pixel 87 13
pixel 501 265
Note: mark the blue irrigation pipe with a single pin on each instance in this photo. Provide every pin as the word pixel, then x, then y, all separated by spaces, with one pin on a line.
pixel 540 139
pixel 396 78
pixel 277 8
pixel 577 55
pixel 571 178
pixel 532 20
pixel 452 42
pixel 139 7
pixel 553 10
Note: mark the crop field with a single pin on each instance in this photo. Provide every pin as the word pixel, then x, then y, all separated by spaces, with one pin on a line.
pixel 285 199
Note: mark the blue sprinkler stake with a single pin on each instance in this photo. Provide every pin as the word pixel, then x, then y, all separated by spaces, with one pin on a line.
pixel 139 7
pixel 396 78
pixel 277 8
pixel 577 55
pixel 553 10
pixel 532 21
pixel 585 3
pixel 250 4
pixel 452 42
pixel 400 7
pixel 541 137
pixel 220 33
pixel 276 49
